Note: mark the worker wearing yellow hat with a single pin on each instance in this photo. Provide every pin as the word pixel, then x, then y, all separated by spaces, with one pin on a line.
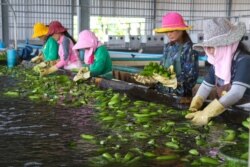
pixel 50 48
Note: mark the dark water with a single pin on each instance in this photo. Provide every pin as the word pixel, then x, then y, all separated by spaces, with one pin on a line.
pixel 41 135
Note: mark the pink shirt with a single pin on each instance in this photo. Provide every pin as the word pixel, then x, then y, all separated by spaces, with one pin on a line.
pixel 68 57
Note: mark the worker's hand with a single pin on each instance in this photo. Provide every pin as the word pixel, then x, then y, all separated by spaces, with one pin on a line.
pixel 37 59
pixel 51 63
pixel 47 71
pixel 83 74
pixel 214 109
pixel 196 103
pixel 42 65
pixel 37 68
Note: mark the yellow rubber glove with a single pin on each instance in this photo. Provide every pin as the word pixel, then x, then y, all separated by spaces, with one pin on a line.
pixel 37 59
pixel 196 103
pixel 42 65
pixel 213 109
pixel 47 71
pixel 168 82
pixel 83 74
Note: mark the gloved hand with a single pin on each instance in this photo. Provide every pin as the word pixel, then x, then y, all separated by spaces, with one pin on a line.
pixel 83 74
pixel 37 59
pixel 51 63
pixel 42 65
pixel 196 103
pixel 144 79
pixel 37 68
pixel 213 109
pixel 47 71
pixel 168 82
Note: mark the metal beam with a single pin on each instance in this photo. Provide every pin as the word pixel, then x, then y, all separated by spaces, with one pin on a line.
pixel 154 15
pixel 229 8
pixel 83 15
pixel 5 22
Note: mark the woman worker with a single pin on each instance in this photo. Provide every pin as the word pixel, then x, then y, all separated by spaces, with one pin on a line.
pixel 228 73
pixel 50 48
pixel 96 55
pixel 68 57
pixel 179 53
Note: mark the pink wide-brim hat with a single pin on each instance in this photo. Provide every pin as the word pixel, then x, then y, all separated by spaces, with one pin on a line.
pixel 86 39
pixel 171 22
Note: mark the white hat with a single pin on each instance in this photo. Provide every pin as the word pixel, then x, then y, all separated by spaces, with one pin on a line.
pixel 220 32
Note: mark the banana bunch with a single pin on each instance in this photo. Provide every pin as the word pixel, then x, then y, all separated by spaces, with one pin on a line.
pixel 146 80
pixel 155 68
pixel 115 100
pixel 168 80
pixel 37 68
pixel 37 59
pixel 153 73
pixel 83 74
pixel 127 159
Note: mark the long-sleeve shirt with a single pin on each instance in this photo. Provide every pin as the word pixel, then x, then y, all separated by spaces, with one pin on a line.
pixel 50 50
pixel 239 80
pixel 185 62
pixel 102 62
pixel 68 57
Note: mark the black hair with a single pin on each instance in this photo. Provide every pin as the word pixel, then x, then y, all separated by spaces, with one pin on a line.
pixel 46 38
pixel 242 47
pixel 69 36
pixel 185 38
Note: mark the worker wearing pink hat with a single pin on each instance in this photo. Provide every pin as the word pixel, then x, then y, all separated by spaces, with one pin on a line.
pixel 178 53
pixel 96 54
pixel 68 57
pixel 171 22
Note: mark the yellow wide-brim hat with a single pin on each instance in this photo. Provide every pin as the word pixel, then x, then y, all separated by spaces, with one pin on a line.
pixel 40 29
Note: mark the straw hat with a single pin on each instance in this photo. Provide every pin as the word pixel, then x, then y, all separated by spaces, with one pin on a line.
pixel 39 30
pixel 172 21
pixel 220 32
pixel 56 27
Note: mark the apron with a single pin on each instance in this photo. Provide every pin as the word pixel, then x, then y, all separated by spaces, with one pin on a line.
pixel 244 103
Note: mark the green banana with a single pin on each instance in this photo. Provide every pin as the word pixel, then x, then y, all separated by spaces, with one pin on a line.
pixel 244 156
pixel 87 137
pixel 172 145
pixel 117 157
pixel 167 157
pixel 149 154
pixel 246 124
pixel 141 115
pixel 230 135
pixel 133 160
pixel 127 157
pixel 108 157
pixel 108 118
pixel 244 135
pixel 140 135
pixel 209 160
pixel 193 152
